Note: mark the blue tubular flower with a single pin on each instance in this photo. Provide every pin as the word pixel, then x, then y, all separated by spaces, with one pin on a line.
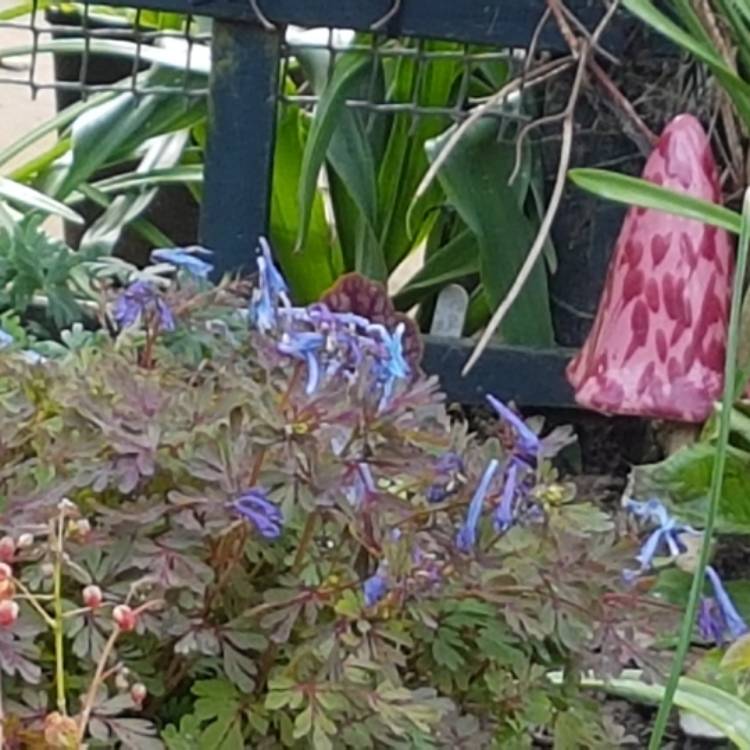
pixel 254 506
pixel 467 534
pixel 270 276
pixel 375 588
pixel 393 367
pixel 363 487
pixel 666 534
pixel 732 619
pixel 711 625
pixel 140 301
pixel 271 291
pixel 526 439
pixel 505 512
pixel 186 259
pixel 305 347
pixel 6 339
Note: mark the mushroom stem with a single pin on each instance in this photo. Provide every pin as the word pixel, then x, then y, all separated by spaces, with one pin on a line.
pixel 673 436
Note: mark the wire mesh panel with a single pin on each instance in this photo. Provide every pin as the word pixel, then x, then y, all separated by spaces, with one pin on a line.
pixel 107 49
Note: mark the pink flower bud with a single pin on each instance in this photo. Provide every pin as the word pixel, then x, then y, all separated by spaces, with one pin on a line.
pixel 125 618
pixel 8 613
pixel 92 597
pixel 6 572
pixel 138 693
pixel 7 549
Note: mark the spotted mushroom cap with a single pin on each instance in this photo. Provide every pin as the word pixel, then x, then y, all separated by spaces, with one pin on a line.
pixel 657 345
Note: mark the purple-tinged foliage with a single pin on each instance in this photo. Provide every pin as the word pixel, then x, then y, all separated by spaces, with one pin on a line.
pixel 265 616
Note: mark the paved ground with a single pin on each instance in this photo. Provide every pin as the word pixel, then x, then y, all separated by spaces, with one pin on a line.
pixel 18 111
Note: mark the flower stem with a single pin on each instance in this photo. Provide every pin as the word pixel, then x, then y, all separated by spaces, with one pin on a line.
pixel 33 600
pixel 59 621
pixel 88 703
pixel 717 482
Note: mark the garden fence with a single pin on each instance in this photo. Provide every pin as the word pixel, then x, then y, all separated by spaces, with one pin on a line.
pixel 249 49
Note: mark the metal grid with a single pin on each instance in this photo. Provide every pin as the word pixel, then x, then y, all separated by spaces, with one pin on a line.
pixel 128 41
pixel 89 34
pixel 337 45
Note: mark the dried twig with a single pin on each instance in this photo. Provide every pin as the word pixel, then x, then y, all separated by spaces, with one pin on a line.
pixel 583 48
pixel 523 134
pixel 265 22
pixel 556 8
pixel 728 118
pixel 392 12
pixel 622 102
pixel 581 27
pixel 541 74
pixel 533 44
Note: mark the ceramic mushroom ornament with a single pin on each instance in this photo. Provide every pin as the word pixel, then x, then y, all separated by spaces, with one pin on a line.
pixel 657 345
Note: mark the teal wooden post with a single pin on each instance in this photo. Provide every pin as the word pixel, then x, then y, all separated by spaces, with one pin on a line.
pixel 241 129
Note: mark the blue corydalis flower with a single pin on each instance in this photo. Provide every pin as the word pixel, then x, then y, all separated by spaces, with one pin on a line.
pixel 725 618
pixel 270 292
pixel 665 537
pixel 527 441
pixel 254 506
pixel 305 347
pixel 142 302
pixel 186 259
pixel 375 588
pixel 711 625
pixel 393 366
pixel 505 512
pixel 467 535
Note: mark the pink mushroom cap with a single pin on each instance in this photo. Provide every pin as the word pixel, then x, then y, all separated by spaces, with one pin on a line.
pixel 657 345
